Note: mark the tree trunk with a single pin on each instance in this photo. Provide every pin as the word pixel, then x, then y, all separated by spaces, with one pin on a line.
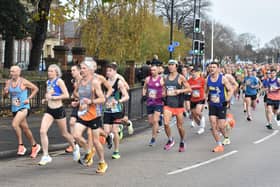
pixel 9 51
pixel 40 34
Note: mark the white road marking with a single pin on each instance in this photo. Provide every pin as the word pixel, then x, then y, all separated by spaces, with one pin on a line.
pixel 267 137
pixel 202 163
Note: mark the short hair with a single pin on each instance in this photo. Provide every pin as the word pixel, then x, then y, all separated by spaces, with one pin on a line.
pixel 89 62
pixel 214 62
pixel 113 66
pixel 57 69
pixel 77 66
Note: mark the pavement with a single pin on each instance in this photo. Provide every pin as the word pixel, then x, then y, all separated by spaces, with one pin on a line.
pixel 8 140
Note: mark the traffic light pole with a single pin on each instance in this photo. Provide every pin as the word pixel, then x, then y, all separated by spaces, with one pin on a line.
pixel 171 26
pixel 194 14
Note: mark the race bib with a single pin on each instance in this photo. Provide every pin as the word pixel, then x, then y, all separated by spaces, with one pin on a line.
pixel 112 105
pixel 83 109
pixel 195 93
pixel 215 98
pixel 171 91
pixel 152 93
pixel 15 101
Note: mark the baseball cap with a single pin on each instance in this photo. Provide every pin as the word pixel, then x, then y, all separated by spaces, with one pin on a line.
pixel 171 61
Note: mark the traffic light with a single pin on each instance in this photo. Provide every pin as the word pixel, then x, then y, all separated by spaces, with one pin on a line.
pixel 196 47
pixel 197 25
pixel 202 47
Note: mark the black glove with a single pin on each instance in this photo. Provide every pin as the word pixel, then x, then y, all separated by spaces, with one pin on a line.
pixel 143 99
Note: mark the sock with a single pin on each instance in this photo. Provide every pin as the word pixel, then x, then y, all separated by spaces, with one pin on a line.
pixel 219 143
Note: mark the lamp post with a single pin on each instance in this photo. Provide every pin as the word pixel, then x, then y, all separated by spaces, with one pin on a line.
pixel 171 27
pixel 193 37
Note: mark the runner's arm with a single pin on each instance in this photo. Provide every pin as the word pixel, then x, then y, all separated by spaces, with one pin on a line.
pixel 125 96
pixel 96 88
pixel 34 89
pixel 228 87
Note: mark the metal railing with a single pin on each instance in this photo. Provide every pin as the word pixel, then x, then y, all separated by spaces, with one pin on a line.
pixel 133 108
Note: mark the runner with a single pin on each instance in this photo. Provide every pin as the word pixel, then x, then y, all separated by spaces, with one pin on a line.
pixel 114 107
pixel 152 92
pixel 56 92
pixel 273 99
pixel 251 85
pixel 89 115
pixel 197 99
pixel 176 86
pixel 17 88
pixel 75 72
pixel 216 85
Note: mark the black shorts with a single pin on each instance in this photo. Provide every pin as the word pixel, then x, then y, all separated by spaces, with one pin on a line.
pixel 74 112
pixel 154 108
pixel 93 124
pixel 193 104
pixel 109 118
pixel 273 103
pixel 187 97
pixel 56 113
pixel 28 112
pixel 219 111
pixel 253 97
pixel 265 98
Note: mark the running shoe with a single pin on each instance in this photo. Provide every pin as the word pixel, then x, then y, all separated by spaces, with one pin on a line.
pixel 121 131
pixel 192 123
pixel 21 150
pixel 269 126
pixel 116 155
pixel 88 158
pixel 130 127
pixel 69 149
pixel 109 140
pixel 152 142
pixel 218 148
pixel 102 167
pixel 182 147
pixel 201 130
pixel 35 150
pixel 249 118
pixel 76 153
pixel 45 159
pixel 169 144
pixel 226 141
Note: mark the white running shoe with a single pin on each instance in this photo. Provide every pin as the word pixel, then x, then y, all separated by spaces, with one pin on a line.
pixel 226 141
pixel 130 128
pixel 200 130
pixel 76 153
pixel 192 123
pixel 45 159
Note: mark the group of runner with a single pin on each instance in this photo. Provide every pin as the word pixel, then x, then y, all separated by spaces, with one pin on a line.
pixel 94 96
pixel 188 93
pixel 98 104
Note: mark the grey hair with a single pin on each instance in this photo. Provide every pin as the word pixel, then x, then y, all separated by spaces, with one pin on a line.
pixel 90 63
pixel 57 69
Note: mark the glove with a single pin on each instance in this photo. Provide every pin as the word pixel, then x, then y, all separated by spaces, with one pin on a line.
pixel 143 99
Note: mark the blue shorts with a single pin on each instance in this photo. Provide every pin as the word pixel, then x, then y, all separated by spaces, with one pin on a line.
pixel 154 108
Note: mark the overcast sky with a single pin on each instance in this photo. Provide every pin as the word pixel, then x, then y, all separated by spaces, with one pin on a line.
pixel 259 17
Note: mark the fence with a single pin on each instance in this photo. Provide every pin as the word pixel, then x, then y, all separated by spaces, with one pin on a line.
pixel 134 108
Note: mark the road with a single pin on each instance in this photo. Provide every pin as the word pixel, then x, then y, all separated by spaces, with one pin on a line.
pixel 251 160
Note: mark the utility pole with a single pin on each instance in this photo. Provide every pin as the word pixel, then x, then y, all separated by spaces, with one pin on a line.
pixel 171 27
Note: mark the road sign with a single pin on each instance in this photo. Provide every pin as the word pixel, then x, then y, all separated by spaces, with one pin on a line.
pixel 175 44
pixel 170 48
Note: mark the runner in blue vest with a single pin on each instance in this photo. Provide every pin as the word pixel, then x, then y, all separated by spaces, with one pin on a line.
pixel 219 93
